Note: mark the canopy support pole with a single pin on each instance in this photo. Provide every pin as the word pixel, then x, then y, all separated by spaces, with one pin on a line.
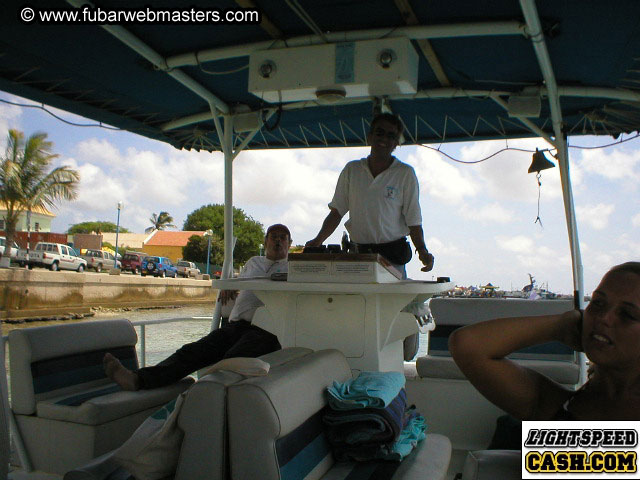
pixel 560 141
pixel 227 148
pixel 225 133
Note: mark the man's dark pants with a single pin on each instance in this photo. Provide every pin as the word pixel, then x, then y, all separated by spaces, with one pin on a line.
pixel 236 339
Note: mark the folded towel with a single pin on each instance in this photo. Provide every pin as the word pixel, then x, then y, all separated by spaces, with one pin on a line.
pixel 367 425
pixel 370 389
pixel 407 441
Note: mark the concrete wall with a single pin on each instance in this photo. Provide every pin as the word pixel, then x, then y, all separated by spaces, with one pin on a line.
pixel 33 293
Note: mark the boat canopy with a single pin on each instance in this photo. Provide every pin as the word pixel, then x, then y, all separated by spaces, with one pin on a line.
pixel 309 73
pixel 476 65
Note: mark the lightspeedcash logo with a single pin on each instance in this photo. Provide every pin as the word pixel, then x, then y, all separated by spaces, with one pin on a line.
pixel 580 450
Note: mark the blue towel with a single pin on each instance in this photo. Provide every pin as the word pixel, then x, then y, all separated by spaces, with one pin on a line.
pixel 397 451
pixel 369 390
pixel 365 425
pixel 408 439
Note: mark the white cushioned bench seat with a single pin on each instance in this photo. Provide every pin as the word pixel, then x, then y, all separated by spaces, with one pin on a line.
pixel 276 432
pixel 109 407
pixel 437 366
pixel 493 465
pixel 67 410
pixel 204 450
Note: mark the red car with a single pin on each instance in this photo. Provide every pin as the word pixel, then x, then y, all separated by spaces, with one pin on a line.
pixel 132 262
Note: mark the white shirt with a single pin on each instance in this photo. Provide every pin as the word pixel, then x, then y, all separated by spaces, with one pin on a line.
pixel 381 209
pixel 246 301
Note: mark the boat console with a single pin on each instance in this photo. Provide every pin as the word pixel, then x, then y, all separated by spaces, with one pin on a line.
pixel 350 302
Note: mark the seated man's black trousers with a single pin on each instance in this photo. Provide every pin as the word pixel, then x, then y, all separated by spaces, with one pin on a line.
pixel 236 339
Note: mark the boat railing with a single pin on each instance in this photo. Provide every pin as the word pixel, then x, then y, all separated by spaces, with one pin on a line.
pixel 6 394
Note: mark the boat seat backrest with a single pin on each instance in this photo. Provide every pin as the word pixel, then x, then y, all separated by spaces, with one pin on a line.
pixel 275 428
pixel 552 359
pixel 55 361
pixel 204 450
pixel 452 313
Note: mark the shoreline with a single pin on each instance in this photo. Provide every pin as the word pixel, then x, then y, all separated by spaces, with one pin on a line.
pixel 92 312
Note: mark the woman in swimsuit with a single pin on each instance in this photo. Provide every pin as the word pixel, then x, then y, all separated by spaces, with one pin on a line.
pixel 608 332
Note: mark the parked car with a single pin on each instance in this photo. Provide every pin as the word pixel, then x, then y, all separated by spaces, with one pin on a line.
pixel 100 260
pixel 12 252
pixel 54 256
pixel 158 267
pixel 132 262
pixel 187 269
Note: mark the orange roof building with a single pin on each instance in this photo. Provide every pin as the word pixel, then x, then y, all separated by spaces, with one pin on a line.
pixel 163 243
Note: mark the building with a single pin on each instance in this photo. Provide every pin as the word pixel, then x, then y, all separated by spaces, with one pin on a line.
pixel 163 243
pixel 126 240
pixel 40 219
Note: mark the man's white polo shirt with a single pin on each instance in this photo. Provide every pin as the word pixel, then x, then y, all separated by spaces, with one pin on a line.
pixel 381 209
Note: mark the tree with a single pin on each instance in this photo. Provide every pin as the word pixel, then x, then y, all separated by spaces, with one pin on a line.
pixel 249 232
pixel 160 222
pixel 26 182
pixel 196 250
pixel 95 227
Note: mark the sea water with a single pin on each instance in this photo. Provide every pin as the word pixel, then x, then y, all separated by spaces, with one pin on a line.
pixel 165 338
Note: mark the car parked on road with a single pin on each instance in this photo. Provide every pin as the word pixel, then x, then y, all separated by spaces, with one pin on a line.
pixel 100 260
pixel 187 269
pixel 13 251
pixel 132 262
pixel 158 267
pixel 54 256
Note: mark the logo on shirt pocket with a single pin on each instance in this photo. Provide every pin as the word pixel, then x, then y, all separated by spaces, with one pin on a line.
pixel 391 193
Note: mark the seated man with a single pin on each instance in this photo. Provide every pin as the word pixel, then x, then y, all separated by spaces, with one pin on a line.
pixel 236 339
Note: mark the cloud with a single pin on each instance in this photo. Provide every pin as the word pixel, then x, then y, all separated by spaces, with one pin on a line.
pixel 504 176
pixel 146 181
pixel 517 244
pixel 596 216
pixel 492 213
pixel 100 152
pixel 10 117
pixel 283 177
pixel 615 164
pixel 635 221
pixel 447 183
pixel 445 248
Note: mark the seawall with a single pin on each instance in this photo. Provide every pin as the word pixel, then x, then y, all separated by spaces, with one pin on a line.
pixel 39 293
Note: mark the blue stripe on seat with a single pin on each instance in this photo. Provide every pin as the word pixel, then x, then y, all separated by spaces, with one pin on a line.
pixel 77 400
pixel 439 345
pixel 56 373
pixel 306 460
pixel 300 451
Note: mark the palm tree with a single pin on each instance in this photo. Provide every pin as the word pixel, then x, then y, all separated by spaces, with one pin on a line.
pixel 160 222
pixel 26 182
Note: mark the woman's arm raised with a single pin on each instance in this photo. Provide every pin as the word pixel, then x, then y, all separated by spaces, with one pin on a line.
pixel 480 351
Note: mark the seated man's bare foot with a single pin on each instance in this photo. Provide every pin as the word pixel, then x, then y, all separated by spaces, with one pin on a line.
pixel 124 377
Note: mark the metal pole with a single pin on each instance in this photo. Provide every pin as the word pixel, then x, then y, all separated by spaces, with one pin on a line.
pixel 227 146
pixel 208 252
pixel 16 437
pixel 115 262
pixel 28 236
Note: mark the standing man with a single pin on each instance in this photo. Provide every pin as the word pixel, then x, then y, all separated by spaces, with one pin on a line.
pixel 381 195
pixel 239 338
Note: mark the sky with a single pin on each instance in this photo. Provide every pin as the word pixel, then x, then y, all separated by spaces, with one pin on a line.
pixel 478 219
